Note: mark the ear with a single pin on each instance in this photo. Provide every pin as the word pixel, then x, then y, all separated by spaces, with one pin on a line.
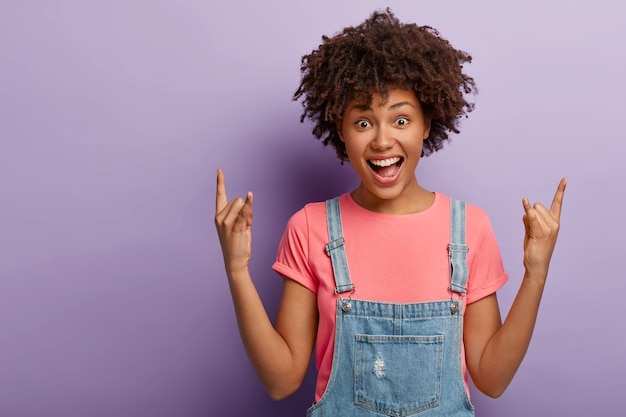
pixel 427 123
pixel 338 127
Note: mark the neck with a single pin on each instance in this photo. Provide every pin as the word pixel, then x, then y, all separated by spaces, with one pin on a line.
pixel 410 201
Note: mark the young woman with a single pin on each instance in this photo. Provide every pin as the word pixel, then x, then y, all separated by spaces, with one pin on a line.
pixel 393 284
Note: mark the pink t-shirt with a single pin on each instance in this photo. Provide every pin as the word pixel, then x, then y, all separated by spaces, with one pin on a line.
pixel 391 258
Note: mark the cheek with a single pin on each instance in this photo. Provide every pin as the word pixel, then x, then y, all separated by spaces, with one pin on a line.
pixel 353 152
pixel 350 153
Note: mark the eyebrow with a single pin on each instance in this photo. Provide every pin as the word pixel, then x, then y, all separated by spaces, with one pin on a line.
pixel 400 104
pixel 365 107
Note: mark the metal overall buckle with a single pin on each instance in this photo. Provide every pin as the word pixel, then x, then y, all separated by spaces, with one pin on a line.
pixel 454 304
pixel 346 304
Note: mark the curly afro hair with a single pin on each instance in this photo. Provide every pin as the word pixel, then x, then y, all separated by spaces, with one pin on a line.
pixel 378 55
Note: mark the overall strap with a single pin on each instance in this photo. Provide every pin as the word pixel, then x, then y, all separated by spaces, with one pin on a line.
pixel 335 248
pixel 457 249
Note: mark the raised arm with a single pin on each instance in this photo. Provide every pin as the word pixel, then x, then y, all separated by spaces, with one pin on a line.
pixel 494 351
pixel 279 354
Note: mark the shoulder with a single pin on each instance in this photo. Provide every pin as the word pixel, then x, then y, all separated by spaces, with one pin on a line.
pixel 474 215
pixel 310 220
pixel 480 233
pixel 311 213
pixel 477 224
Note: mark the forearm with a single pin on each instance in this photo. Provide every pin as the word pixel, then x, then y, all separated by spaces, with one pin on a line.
pixel 280 354
pixel 267 350
pixel 494 351
pixel 506 349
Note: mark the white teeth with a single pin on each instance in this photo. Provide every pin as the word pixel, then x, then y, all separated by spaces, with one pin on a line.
pixel 385 162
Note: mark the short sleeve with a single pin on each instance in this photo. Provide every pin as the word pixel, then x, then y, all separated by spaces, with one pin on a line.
pixel 486 269
pixel 292 258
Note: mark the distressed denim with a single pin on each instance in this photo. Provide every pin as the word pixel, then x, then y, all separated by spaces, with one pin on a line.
pixel 396 359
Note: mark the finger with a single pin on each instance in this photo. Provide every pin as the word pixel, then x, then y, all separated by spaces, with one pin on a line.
pixel 527 210
pixel 232 211
pixel 557 202
pixel 240 213
pixel 526 225
pixel 220 193
pixel 247 207
pixel 244 217
pixel 544 217
pixel 531 216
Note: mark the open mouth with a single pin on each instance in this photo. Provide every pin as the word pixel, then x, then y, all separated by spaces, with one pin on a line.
pixel 386 168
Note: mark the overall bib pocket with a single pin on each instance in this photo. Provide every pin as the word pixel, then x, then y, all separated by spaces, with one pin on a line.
pixel 398 375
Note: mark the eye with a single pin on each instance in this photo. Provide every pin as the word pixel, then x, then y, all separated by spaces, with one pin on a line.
pixel 402 121
pixel 362 124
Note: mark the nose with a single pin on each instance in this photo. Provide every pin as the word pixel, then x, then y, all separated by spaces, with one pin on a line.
pixel 383 139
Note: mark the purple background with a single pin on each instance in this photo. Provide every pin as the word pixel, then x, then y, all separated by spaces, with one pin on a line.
pixel 114 116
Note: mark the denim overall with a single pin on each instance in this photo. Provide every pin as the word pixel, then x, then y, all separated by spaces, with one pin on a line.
pixel 396 359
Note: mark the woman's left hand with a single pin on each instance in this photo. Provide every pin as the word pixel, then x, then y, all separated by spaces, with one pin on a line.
pixel 542 228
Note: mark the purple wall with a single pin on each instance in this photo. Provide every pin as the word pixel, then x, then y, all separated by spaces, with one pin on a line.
pixel 114 116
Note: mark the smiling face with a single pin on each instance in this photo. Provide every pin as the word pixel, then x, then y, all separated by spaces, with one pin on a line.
pixel 384 144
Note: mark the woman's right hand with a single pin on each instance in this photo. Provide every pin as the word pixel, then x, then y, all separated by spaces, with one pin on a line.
pixel 280 355
pixel 233 221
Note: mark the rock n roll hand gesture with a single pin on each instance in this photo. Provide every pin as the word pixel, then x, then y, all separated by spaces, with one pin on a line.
pixel 233 221
pixel 542 227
